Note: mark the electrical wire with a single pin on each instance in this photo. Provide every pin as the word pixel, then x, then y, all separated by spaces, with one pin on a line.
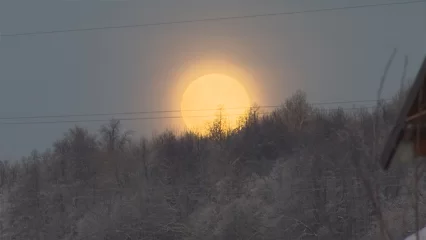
pixel 152 118
pixel 166 111
pixel 207 19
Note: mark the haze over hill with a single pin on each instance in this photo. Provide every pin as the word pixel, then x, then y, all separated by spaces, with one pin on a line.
pixel 104 90
pixel 297 173
pixel 331 55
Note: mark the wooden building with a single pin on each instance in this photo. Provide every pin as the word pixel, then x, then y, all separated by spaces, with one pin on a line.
pixel 408 138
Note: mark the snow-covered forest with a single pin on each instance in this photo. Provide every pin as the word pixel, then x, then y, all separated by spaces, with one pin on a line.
pixel 299 172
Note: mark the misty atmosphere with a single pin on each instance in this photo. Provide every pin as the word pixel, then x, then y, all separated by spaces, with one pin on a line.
pixel 213 120
pixel 299 172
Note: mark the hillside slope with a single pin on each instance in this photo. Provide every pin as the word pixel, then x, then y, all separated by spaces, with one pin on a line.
pixel 297 173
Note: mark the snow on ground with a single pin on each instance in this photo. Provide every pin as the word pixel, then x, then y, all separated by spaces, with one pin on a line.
pixel 422 235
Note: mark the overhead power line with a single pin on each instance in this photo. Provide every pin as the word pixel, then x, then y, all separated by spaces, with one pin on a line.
pixel 147 118
pixel 165 111
pixel 102 120
pixel 209 19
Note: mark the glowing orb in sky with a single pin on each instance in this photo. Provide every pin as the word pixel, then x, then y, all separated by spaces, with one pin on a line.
pixel 204 96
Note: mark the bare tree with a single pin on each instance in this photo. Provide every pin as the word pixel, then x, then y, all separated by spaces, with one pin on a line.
pixel 112 136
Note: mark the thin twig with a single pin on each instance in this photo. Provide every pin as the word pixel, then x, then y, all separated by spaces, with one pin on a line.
pixel 383 228
pixel 404 73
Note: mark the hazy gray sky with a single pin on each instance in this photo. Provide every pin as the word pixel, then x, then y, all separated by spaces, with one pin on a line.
pixel 333 56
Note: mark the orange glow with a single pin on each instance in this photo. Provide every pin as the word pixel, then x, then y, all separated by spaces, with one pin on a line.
pixel 204 96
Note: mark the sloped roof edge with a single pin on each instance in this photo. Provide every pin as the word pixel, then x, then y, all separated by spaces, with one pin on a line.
pixel 397 132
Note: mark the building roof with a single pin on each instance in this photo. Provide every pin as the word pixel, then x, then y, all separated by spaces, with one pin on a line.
pixel 422 235
pixel 408 109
